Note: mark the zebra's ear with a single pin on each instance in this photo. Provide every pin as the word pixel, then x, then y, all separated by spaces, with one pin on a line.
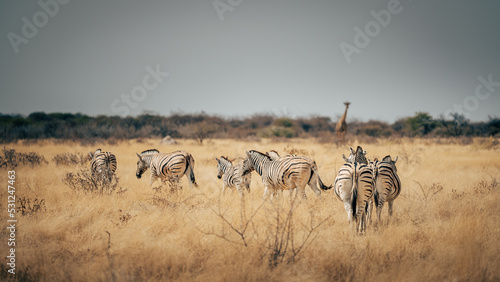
pixel 248 154
pixel 91 155
pixel 395 159
pixel 352 151
pixel 216 159
pixel 345 159
pixel 140 158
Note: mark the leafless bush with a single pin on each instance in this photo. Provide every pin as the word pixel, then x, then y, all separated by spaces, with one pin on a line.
pixel 409 155
pixel 485 187
pixel 27 206
pixel 11 159
pixel 284 238
pixel 71 159
pixel 83 180
pixel 427 192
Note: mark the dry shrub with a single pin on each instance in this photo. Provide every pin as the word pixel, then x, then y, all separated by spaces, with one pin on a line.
pixel 11 159
pixel 71 159
pixel 83 180
pixel 486 143
pixel 426 193
pixel 485 187
pixel 285 233
pixel 28 206
pixel 410 155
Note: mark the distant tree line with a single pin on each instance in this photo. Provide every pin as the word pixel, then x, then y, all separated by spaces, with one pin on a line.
pixel 40 125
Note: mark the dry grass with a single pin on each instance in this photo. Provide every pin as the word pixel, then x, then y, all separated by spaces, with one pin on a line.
pixel 445 226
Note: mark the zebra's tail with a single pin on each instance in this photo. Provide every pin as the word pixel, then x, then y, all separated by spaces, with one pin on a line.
pixel 354 192
pixel 315 173
pixel 190 167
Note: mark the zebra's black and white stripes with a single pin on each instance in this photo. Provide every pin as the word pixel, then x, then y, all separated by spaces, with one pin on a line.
pixel 103 164
pixel 285 173
pixel 354 186
pixel 387 184
pixel 232 175
pixel 168 167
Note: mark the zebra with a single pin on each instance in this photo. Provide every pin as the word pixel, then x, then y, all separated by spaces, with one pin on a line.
pixel 274 155
pixel 285 173
pixel 168 167
pixel 387 184
pixel 358 156
pixel 232 175
pixel 354 186
pixel 102 164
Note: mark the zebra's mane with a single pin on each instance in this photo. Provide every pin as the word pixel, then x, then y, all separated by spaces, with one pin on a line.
pixel 226 159
pixel 262 154
pixel 150 152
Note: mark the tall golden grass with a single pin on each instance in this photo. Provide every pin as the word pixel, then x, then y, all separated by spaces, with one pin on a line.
pixel 445 226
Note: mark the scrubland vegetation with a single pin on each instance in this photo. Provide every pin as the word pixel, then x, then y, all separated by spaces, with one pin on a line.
pixel 88 130
pixel 444 228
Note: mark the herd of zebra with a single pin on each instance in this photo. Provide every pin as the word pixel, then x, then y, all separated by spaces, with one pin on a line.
pixel 360 184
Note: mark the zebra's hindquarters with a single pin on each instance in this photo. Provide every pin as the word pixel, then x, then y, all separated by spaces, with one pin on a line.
pixel 344 187
pixel 387 187
pixel 171 167
pixel 103 165
pixel 364 193
pixel 354 187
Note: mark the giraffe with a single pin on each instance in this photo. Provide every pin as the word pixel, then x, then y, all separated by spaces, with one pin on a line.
pixel 341 127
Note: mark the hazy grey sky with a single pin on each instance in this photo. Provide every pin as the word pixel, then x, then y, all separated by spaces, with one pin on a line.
pixel 240 57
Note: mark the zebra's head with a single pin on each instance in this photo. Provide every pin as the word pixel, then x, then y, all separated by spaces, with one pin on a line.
pixel 248 165
pixel 254 161
pixel 142 166
pixel 222 165
pixel 358 156
pixel 388 159
pixel 92 155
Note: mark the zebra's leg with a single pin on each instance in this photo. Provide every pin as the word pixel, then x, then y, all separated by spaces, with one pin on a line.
pixel 380 206
pixel 348 209
pixel 223 187
pixel 313 183
pixel 152 180
pixel 301 188
pixel 390 211
pixel 266 192
pixel 369 210
pixel 238 187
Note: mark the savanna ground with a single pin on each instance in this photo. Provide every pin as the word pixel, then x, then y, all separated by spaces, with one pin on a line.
pixel 445 226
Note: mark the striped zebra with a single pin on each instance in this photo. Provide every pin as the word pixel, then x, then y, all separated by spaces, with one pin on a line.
pixel 358 156
pixel 285 173
pixel 167 167
pixel 354 187
pixel 232 175
pixel 387 184
pixel 102 164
